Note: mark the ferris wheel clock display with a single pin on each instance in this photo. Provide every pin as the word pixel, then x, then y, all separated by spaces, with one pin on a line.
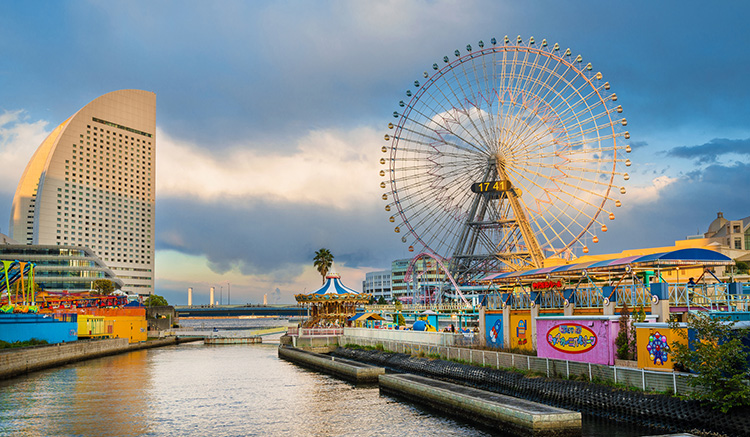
pixel 504 154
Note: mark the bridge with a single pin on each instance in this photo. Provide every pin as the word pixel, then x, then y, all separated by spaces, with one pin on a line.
pixel 240 310
pixel 225 333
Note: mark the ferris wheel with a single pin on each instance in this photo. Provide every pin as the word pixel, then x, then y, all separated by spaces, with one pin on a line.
pixel 503 155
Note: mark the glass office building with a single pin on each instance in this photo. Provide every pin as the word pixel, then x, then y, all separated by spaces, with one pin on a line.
pixel 61 268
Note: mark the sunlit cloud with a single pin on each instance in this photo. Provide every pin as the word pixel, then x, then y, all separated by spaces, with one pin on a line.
pixel 648 193
pixel 19 138
pixel 330 167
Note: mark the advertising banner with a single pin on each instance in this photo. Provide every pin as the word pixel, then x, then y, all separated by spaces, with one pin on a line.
pixel 520 331
pixel 586 339
pixel 494 326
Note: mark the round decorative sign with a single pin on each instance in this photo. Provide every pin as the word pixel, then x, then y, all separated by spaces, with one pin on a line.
pixel 571 338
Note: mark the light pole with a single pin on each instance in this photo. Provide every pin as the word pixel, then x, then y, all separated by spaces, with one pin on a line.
pixel 221 292
pixel 229 294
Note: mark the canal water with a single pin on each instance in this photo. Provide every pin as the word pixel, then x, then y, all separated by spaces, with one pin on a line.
pixel 229 390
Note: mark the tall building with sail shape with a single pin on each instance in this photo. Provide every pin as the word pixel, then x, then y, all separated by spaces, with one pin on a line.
pixel 92 183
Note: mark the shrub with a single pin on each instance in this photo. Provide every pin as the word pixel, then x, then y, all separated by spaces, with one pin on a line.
pixel 718 357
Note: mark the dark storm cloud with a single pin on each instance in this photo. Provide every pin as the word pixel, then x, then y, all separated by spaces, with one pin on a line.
pixel 263 237
pixel 686 207
pixel 710 151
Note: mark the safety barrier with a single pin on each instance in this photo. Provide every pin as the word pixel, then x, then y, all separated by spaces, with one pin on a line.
pixel 646 380
pixel 421 337
pixel 314 332
pixel 713 297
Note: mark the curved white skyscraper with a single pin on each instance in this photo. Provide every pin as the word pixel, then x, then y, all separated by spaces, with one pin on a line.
pixel 92 183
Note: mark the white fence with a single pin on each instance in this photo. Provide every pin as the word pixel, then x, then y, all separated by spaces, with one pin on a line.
pixel 645 380
pixel 314 332
pixel 421 337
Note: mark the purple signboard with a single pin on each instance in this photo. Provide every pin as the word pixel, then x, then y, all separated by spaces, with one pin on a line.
pixel 590 339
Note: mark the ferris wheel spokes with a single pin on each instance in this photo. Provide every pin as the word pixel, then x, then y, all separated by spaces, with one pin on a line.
pixel 553 131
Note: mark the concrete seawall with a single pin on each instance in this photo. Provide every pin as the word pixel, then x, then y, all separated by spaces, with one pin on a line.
pixel 342 368
pixel 14 362
pixel 521 417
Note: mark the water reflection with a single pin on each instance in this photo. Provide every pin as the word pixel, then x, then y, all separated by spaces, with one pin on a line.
pixel 193 389
pixel 91 398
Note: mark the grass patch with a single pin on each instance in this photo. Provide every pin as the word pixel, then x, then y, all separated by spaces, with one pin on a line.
pixel 27 343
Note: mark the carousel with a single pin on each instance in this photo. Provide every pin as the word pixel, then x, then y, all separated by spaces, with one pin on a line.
pixel 332 304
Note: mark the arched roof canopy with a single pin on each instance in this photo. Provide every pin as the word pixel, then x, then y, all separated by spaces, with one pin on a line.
pixel 682 258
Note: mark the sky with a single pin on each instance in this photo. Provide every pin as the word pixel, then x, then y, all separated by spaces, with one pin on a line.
pixel 271 115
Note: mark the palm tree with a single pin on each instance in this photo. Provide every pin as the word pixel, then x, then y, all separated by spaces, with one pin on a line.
pixel 322 261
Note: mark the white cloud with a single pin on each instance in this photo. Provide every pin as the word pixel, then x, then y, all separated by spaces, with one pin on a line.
pixel 648 193
pixel 328 166
pixel 19 139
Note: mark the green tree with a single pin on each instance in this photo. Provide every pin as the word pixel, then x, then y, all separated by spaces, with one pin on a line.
pixel 622 342
pixel 627 348
pixel 155 301
pixel 103 287
pixel 323 260
pixel 381 300
pixel 719 359
pixel 742 267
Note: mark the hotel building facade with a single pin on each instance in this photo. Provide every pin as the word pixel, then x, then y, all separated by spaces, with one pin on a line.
pixel 92 183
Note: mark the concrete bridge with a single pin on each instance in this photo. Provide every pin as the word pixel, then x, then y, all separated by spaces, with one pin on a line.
pixel 240 310
pixel 224 333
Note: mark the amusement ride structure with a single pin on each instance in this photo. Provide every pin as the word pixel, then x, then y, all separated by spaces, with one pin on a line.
pixel 503 155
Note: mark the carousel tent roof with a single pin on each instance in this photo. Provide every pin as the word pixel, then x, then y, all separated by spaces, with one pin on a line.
pixel 333 286
pixel 361 317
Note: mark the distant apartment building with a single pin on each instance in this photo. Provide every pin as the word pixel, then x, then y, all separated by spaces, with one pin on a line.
pixel 91 183
pixel 398 271
pixel 729 237
pixel 735 234
pixel 378 284
pixel 425 275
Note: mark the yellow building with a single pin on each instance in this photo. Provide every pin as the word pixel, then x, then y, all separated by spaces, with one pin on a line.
pixel 655 345
pixel 124 322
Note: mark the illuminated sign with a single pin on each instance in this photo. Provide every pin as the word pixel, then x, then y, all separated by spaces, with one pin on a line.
pixel 571 338
pixel 490 187
pixel 546 285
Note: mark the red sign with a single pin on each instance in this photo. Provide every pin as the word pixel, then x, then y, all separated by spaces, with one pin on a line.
pixel 546 285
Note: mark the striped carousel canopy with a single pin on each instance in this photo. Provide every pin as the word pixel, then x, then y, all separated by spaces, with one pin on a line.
pixel 333 286
pixel 333 291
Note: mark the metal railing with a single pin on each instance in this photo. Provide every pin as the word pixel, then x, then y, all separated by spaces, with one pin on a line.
pixel 551 299
pixel 314 332
pixel 635 295
pixel 417 307
pixel 465 339
pixel 588 297
pixel 715 297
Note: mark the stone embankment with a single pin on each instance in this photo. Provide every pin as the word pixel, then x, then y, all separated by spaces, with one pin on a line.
pixel 14 362
pixel 660 412
pixel 349 370
pixel 512 415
